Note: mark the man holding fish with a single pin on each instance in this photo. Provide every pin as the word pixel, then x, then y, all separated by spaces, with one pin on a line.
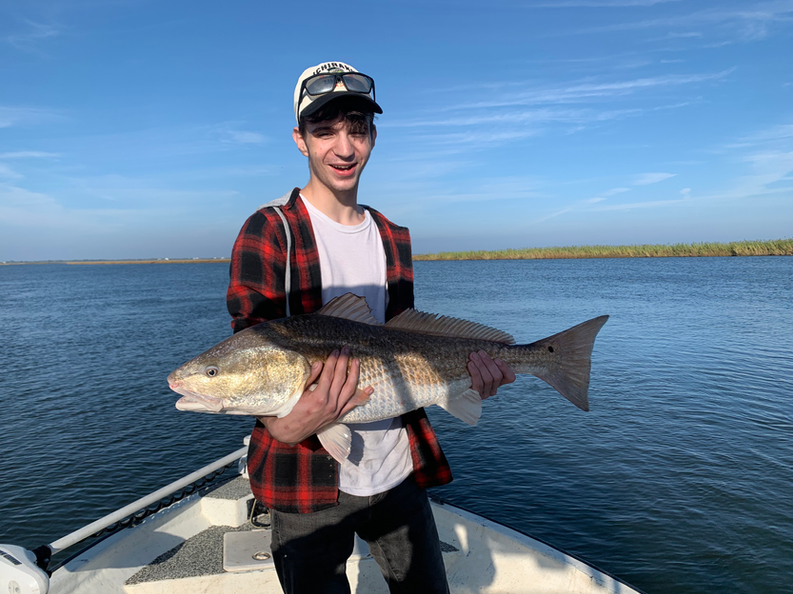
pixel 293 256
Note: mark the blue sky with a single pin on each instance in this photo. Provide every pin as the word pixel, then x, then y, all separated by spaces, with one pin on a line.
pixel 136 129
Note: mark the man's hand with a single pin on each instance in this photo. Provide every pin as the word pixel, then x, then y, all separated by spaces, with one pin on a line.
pixel 335 395
pixel 488 374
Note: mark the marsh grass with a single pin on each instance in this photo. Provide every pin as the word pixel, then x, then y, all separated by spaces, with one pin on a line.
pixel 776 247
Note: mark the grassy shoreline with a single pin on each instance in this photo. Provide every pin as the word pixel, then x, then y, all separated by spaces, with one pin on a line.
pixel 775 247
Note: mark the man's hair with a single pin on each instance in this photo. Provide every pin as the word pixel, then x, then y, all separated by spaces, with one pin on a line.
pixel 348 109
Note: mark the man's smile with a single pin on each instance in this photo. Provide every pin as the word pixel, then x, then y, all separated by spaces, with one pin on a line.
pixel 345 169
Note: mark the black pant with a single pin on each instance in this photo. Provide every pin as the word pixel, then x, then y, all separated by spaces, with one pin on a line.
pixel 310 551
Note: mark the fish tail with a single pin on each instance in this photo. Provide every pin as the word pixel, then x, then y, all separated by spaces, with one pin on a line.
pixel 566 360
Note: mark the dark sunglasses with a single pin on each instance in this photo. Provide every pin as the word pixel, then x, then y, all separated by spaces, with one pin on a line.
pixel 322 84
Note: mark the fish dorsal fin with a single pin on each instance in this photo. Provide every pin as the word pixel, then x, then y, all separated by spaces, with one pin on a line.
pixel 411 320
pixel 349 307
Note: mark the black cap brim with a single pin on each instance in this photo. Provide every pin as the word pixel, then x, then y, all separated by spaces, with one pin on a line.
pixel 365 102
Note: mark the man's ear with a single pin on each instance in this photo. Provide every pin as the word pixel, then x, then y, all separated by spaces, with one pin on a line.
pixel 374 134
pixel 301 144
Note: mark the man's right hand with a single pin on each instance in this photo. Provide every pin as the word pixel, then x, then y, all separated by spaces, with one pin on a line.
pixel 335 395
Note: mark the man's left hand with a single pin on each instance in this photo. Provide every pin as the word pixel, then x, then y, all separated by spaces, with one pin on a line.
pixel 487 374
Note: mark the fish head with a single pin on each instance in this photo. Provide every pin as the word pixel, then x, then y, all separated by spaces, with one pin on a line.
pixel 244 374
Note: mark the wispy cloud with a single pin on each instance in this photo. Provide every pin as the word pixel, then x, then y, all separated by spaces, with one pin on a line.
pixel 770 175
pixel 13 116
pixel 534 116
pixel 587 91
pixel 599 3
pixel 8 173
pixel 231 133
pixel 768 168
pixel 498 114
pixel 140 192
pixel 32 34
pixel 491 123
pixel 615 191
pixel 552 215
pixel 28 155
pixel 242 137
pixel 417 196
pixel 673 36
pixel 635 205
pixel 781 134
pixel 13 197
pixel 747 23
pixel 464 141
pixel 642 179
pixel 645 179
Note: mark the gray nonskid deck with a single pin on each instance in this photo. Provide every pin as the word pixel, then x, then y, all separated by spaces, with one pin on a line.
pixel 233 488
pixel 200 555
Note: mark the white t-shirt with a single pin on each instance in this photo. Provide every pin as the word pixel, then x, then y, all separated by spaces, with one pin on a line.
pixel 352 260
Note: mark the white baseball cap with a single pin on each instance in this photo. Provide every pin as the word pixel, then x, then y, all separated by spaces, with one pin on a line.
pixel 331 80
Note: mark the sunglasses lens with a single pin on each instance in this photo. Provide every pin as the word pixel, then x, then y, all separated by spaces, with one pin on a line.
pixel 321 84
pixel 326 83
pixel 357 83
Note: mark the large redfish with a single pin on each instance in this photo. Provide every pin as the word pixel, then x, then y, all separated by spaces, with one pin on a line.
pixel 416 359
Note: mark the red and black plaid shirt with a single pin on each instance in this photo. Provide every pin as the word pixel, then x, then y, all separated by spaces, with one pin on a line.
pixel 304 478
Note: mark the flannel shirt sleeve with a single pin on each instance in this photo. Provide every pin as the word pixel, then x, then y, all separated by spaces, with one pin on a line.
pixel 258 264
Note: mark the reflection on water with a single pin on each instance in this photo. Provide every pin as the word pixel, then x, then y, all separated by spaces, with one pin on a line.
pixel 678 480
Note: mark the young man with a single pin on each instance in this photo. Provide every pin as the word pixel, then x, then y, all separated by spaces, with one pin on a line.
pixel 292 256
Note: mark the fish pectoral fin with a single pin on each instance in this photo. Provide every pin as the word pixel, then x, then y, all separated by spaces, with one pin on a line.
pixel 360 398
pixel 337 439
pixel 467 406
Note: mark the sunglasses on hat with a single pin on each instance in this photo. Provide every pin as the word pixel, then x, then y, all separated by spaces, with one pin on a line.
pixel 353 82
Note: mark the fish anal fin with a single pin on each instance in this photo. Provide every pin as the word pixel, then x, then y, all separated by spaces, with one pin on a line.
pixel 467 406
pixel 337 440
pixel 349 307
pixel 411 320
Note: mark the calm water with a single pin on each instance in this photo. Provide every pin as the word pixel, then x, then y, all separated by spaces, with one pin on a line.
pixel 679 480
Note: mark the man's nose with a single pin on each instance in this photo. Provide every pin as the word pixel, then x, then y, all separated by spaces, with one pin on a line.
pixel 343 146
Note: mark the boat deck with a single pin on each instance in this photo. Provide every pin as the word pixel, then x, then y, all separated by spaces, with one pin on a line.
pixel 223 549
pixel 206 543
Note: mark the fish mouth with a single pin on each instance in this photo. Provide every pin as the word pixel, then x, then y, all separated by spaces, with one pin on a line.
pixel 192 401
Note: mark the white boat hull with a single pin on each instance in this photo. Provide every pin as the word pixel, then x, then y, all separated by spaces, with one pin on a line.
pixel 165 555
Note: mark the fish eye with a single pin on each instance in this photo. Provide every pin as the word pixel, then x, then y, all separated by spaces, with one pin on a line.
pixel 212 371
